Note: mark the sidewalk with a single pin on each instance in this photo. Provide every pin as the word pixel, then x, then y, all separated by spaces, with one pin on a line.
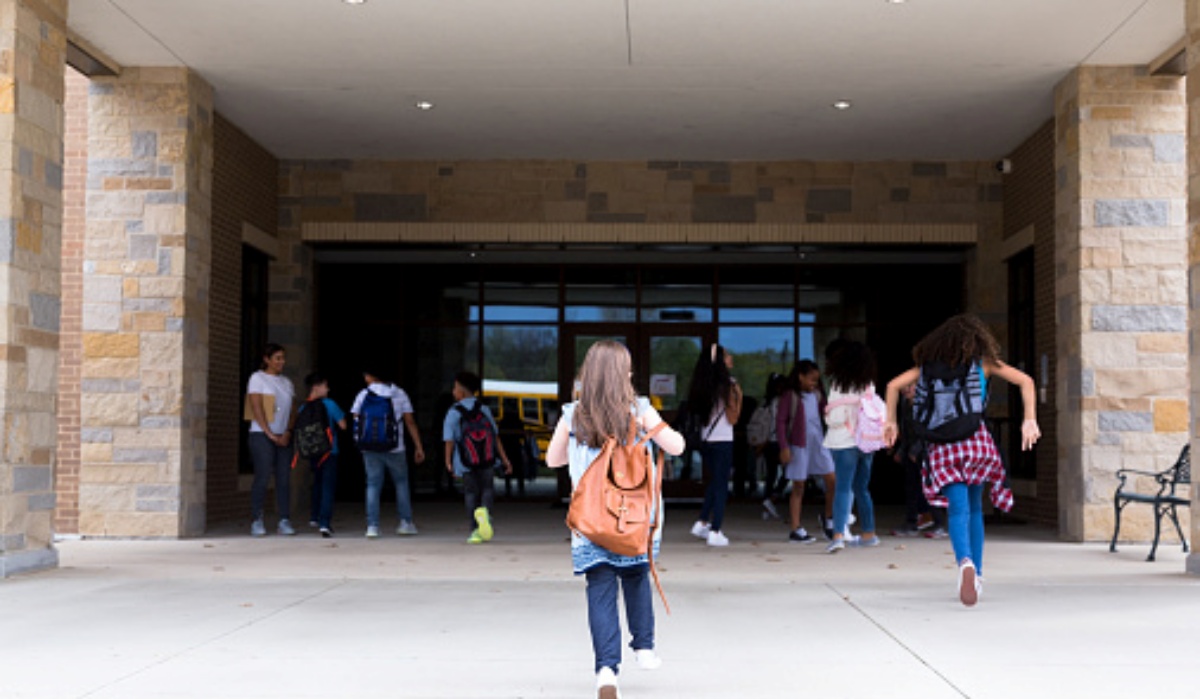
pixel 228 616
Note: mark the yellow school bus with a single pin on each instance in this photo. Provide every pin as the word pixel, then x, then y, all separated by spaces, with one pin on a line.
pixel 534 402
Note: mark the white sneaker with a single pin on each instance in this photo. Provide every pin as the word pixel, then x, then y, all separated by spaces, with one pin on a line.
pixel 257 528
pixel 717 539
pixel 372 532
pixel 700 530
pixel 285 527
pixel 835 546
pixel 647 659
pixel 606 684
pixel 406 528
pixel 968 584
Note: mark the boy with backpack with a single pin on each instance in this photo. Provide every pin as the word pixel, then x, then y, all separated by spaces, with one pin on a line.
pixel 472 449
pixel 317 442
pixel 378 410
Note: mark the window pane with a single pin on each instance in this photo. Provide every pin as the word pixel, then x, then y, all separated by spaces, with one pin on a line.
pixel 677 295
pixel 757 353
pixel 520 353
pixel 521 295
pixel 450 296
pixel 601 295
pixel 757 294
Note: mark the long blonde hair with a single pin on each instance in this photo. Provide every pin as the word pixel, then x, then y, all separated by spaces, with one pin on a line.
pixel 605 394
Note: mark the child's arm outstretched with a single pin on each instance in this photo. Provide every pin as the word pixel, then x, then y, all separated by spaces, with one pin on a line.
pixel 891 429
pixel 1030 432
pixel 556 453
pixel 668 439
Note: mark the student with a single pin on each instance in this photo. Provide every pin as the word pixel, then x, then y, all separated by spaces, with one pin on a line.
pixel 322 466
pixel 606 402
pixel 852 375
pixel 478 479
pixel 270 395
pixel 763 437
pixel 962 352
pixel 378 436
pixel 717 399
pixel 802 442
pixel 909 452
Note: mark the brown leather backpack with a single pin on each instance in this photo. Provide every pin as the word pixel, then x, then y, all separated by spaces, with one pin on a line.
pixel 615 503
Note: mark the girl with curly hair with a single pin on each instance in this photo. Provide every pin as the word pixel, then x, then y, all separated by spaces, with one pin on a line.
pixel 852 376
pixel 961 356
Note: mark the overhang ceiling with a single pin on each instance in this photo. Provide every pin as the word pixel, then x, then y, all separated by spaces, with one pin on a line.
pixel 633 79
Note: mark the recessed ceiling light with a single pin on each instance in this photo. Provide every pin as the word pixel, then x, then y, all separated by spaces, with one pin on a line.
pixel 842 105
pixel 424 106
pixel 355 2
pixel 896 2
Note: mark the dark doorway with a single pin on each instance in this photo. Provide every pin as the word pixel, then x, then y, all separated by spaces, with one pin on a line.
pixel 255 276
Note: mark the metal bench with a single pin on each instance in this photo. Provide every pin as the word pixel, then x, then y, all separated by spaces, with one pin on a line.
pixel 1164 501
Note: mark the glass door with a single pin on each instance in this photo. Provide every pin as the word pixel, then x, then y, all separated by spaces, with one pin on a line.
pixel 669 354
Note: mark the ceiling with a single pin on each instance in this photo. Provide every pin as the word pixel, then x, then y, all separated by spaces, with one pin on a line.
pixel 633 79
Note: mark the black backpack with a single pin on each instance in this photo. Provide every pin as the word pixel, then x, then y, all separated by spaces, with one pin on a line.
pixel 313 431
pixel 477 440
pixel 949 403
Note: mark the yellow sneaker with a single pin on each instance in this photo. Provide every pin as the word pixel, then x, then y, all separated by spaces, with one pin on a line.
pixel 484 520
pixel 475 538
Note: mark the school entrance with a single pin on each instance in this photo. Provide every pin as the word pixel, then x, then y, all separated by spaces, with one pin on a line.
pixel 523 319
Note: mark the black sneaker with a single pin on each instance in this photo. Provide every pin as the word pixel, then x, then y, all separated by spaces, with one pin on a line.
pixel 326 532
pixel 801 536
pixel 826 527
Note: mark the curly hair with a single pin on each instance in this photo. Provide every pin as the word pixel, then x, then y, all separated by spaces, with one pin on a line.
pixel 959 341
pixel 852 369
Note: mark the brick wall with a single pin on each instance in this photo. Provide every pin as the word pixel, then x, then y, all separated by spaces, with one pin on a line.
pixel 75 106
pixel 1029 201
pixel 244 183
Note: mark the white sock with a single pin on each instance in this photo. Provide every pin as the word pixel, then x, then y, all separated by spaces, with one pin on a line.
pixel 606 678
pixel 647 659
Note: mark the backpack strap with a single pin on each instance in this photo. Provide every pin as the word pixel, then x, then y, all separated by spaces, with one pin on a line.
pixel 658 471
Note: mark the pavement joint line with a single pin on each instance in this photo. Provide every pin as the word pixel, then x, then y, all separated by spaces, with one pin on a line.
pixel 917 656
pixel 205 642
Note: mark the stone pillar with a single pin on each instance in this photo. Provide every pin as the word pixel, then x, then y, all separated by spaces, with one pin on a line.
pixel 1121 214
pixel 147 261
pixel 1193 149
pixel 32 60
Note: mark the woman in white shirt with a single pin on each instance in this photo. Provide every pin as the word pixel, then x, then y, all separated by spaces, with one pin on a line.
pixel 716 398
pixel 271 397
pixel 852 374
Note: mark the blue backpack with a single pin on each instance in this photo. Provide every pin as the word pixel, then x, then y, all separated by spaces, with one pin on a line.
pixel 376 428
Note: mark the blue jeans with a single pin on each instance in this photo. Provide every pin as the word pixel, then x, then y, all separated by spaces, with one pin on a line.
pixel 853 469
pixel 605 619
pixel 324 488
pixel 718 461
pixel 397 466
pixel 966 522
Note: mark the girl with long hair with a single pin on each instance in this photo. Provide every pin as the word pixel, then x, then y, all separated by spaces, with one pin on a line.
pixel 716 399
pixel 605 402
pixel 801 442
pixel 955 473
pixel 852 375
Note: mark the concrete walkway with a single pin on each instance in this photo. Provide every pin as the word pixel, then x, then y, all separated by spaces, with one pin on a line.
pixel 429 616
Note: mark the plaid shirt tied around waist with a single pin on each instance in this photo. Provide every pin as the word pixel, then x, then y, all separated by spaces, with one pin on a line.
pixel 973 461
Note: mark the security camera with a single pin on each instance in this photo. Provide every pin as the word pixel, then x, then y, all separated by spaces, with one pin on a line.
pixel 1004 166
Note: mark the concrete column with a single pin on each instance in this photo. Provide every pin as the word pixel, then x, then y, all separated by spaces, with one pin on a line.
pixel 1121 235
pixel 147 259
pixel 32 61
pixel 1193 149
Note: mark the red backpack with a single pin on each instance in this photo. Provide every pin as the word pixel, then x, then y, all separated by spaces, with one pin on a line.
pixel 477 441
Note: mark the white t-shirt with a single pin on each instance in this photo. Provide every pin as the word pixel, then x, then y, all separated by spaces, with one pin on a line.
pixel 401 405
pixel 284 393
pixel 721 430
pixel 842 420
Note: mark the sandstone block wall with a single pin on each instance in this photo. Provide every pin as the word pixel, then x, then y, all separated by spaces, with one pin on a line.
pixel 147 262
pixel 1193 151
pixel 32 55
pixel 1122 288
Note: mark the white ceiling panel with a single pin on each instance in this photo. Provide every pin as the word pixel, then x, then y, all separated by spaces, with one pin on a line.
pixel 953 79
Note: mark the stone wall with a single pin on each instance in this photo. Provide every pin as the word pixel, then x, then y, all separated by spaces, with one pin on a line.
pixel 32 58
pixel 70 343
pixel 146 311
pixel 1193 149
pixel 1029 202
pixel 244 183
pixel 1121 249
